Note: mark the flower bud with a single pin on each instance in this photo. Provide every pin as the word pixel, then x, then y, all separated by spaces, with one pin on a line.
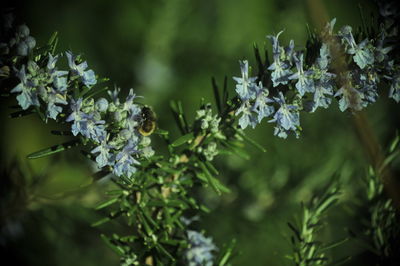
pixel 31 42
pixel 23 31
pixel 22 49
pixel 102 105
pixel 125 134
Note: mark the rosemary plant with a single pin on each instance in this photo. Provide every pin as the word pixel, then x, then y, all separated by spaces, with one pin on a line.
pixel 307 249
pixel 154 192
pixel 382 227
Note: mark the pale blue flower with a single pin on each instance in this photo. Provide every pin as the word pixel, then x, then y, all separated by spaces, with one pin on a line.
pixel 280 132
pixel 77 113
pixel 28 95
pixel 129 104
pixel 86 124
pixel 261 106
pixel 323 80
pixel 287 116
pixel 324 57
pixel 394 92
pixel 322 97
pixel 381 48
pixel 289 52
pixel 104 156
pixel 304 81
pixel 51 67
pixel 200 250
pixel 276 48
pixel 367 82
pixel 280 72
pixel 362 53
pixel 244 86
pixel 124 160
pixel 91 128
pixel 351 98
pixel 248 118
pixel 282 61
pixel 56 95
pixel 87 76
pixel 101 105
pixel 114 95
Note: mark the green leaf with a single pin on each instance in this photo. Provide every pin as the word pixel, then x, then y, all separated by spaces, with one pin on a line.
pixel 182 140
pixel 259 60
pixel 54 149
pixel 53 41
pixel 394 144
pixel 202 177
pixel 115 192
pixel 61 133
pixel 150 219
pixel 93 92
pixel 53 38
pixel 101 221
pixel 21 113
pixel 235 149
pixel 161 132
pixel 163 250
pixel 211 168
pixel 227 253
pixel 215 183
pixel 225 94
pixel 116 249
pixel 177 110
pixel 388 160
pixel 106 203
pixel 341 261
pixel 204 209
pixel 251 141
pixel 102 173
pixel 216 95
pixel 334 244
pixel 295 231
pixel 41 115
pixel 143 221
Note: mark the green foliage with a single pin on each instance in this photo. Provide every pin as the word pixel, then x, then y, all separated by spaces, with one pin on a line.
pixel 383 225
pixel 307 249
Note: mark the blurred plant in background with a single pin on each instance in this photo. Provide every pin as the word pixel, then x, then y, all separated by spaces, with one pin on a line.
pixel 258 206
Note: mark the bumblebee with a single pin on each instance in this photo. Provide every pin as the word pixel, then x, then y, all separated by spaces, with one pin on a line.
pixel 148 121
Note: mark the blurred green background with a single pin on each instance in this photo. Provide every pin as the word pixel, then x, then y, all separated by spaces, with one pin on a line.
pixel 169 50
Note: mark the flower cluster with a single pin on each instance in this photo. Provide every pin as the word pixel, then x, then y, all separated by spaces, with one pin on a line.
pixel 206 120
pixel 121 143
pixel 45 84
pixel 254 97
pixel 110 126
pixel 20 39
pixel 302 87
pixel 46 87
pixel 200 250
pixel 79 70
